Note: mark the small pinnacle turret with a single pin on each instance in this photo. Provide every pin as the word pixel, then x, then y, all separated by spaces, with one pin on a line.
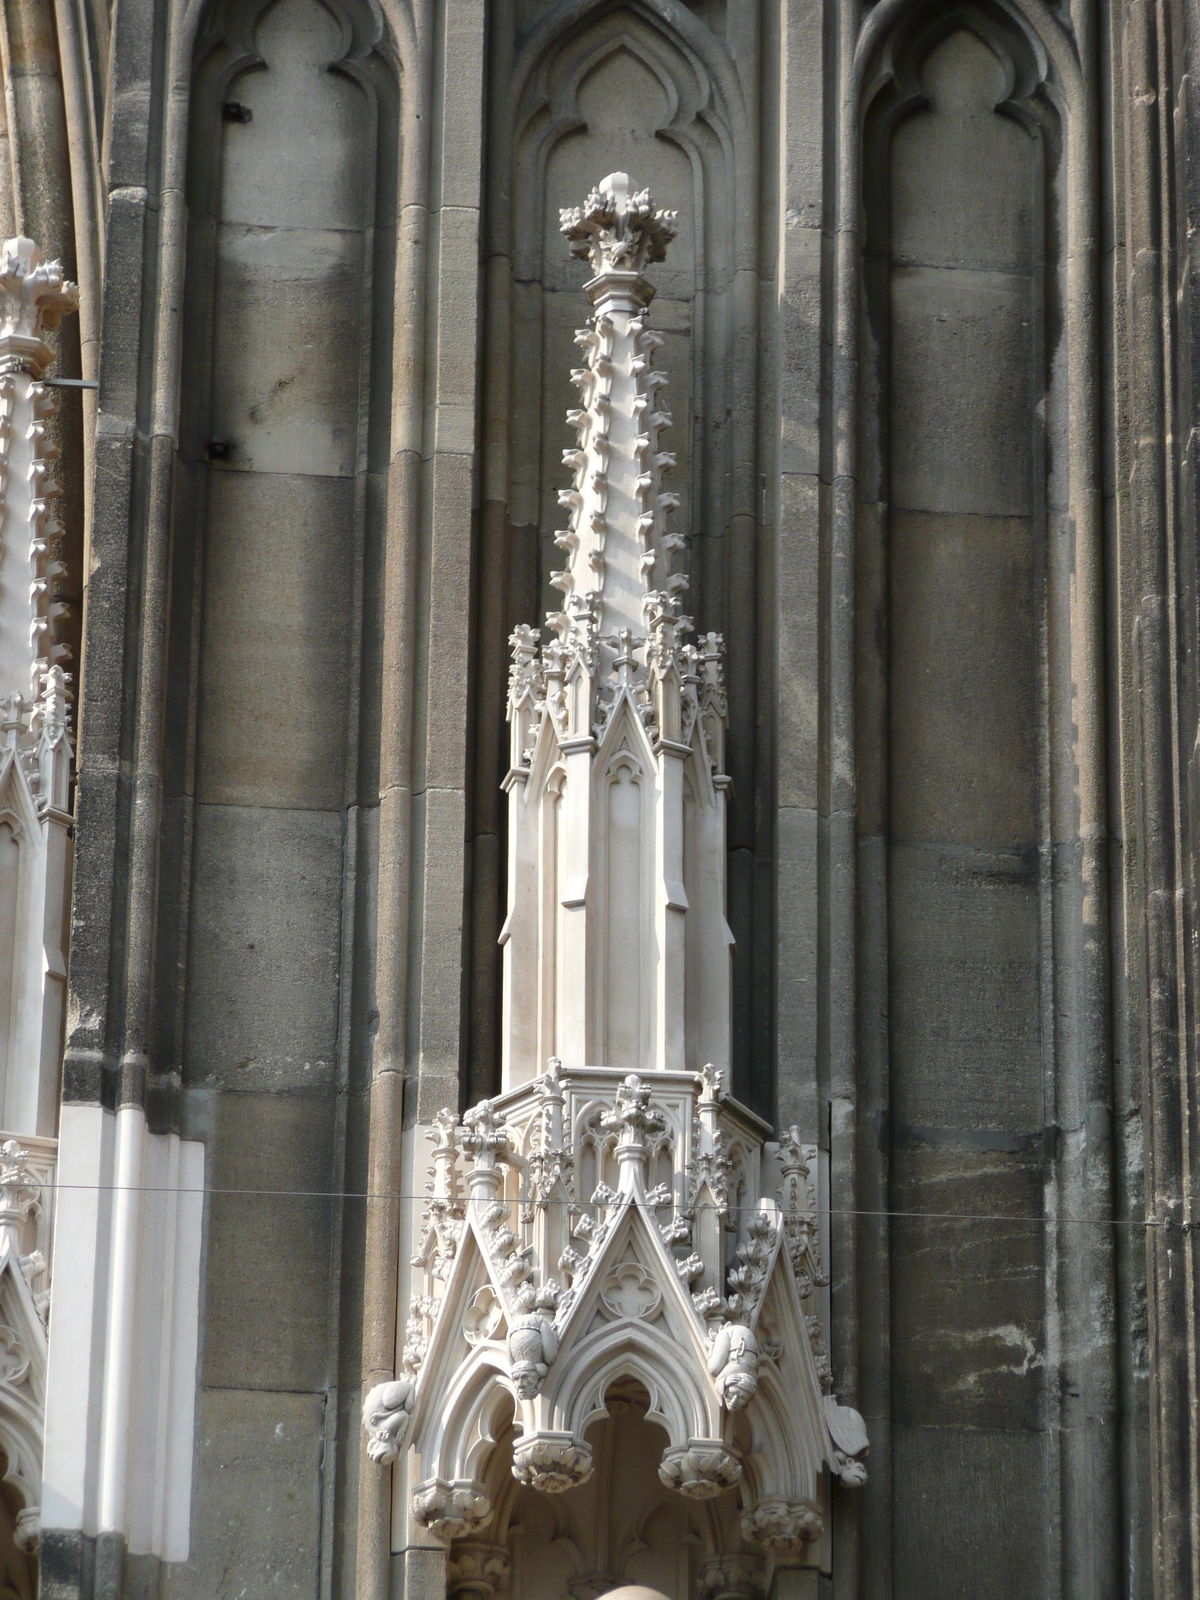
pixel 621 549
pixel 618 721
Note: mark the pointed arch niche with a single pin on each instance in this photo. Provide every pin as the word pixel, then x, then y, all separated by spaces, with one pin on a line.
pixel 978 753
pixel 585 89
pixel 270 745
pixel 620 1527
pixel 293 152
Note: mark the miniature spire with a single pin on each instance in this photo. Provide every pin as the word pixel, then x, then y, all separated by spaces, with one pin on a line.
pixel 617 541
pixel 35 697
pixel 594 963
pixel 33 298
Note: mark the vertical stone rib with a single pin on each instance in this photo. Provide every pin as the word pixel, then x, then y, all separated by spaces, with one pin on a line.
pixel 1167 1087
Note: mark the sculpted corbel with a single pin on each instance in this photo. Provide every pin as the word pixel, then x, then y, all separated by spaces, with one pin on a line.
pixel 386 1413
pixel 782 1526
pixel 552 1462
pixel 733 1364
pixel 456 1510
pixel 849 1434
pixel 700 1469
pixel 532 1343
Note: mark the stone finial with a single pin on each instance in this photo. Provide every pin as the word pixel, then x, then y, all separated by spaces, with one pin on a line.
pixel 19 1193
pixel 484 1140
pixel 632 1119
pixel 34 296
pixel 617 231
pixel 458 1509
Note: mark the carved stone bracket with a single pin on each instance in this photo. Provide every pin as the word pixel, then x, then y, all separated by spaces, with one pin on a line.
pixel 478 1570
pixel 849 1435
pixel 386 1412
pixel 552 1462
pixel 700 1469
pixel 784 1527
pixel 455 1510
pixel 733 1577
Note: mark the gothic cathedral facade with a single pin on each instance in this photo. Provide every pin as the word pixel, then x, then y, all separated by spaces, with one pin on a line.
pixel 599 800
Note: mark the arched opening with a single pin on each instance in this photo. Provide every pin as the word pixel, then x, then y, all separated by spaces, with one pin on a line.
pixel 622 1527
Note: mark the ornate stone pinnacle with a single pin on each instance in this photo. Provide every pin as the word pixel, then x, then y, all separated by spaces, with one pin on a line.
pixel 616 231
pixel 19 1193
pixel 444 1136
pixel 34 296
pixel 793 1193
pixel 632 1119
pixel 484 1139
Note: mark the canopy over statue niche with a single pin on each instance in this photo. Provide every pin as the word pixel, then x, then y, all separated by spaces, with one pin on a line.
pixel 622 1235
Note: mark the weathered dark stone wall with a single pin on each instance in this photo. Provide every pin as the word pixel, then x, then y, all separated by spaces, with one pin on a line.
pixel 961 287
pixel 269 803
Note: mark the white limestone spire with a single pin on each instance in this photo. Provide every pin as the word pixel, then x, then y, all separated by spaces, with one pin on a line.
pixel 617 541
pixel 35 745
pixel 616 945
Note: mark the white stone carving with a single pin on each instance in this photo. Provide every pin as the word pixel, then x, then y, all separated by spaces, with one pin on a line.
pixel 700 1469
pixel 782 1526
pixel 625 1223
pixel 478 1569
pixel 552 1462
pixel 456 1510
pixel 734 1365
pixel 35 741
pixel 386 1412
pixel 532 1345
pixel 849 1435
pixel 22 1338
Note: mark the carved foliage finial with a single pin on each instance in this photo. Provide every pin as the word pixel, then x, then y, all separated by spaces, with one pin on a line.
pixel 19 1187
pixel 33 293
pixel 485 1141
pixel 617 231
pixel 633 1119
